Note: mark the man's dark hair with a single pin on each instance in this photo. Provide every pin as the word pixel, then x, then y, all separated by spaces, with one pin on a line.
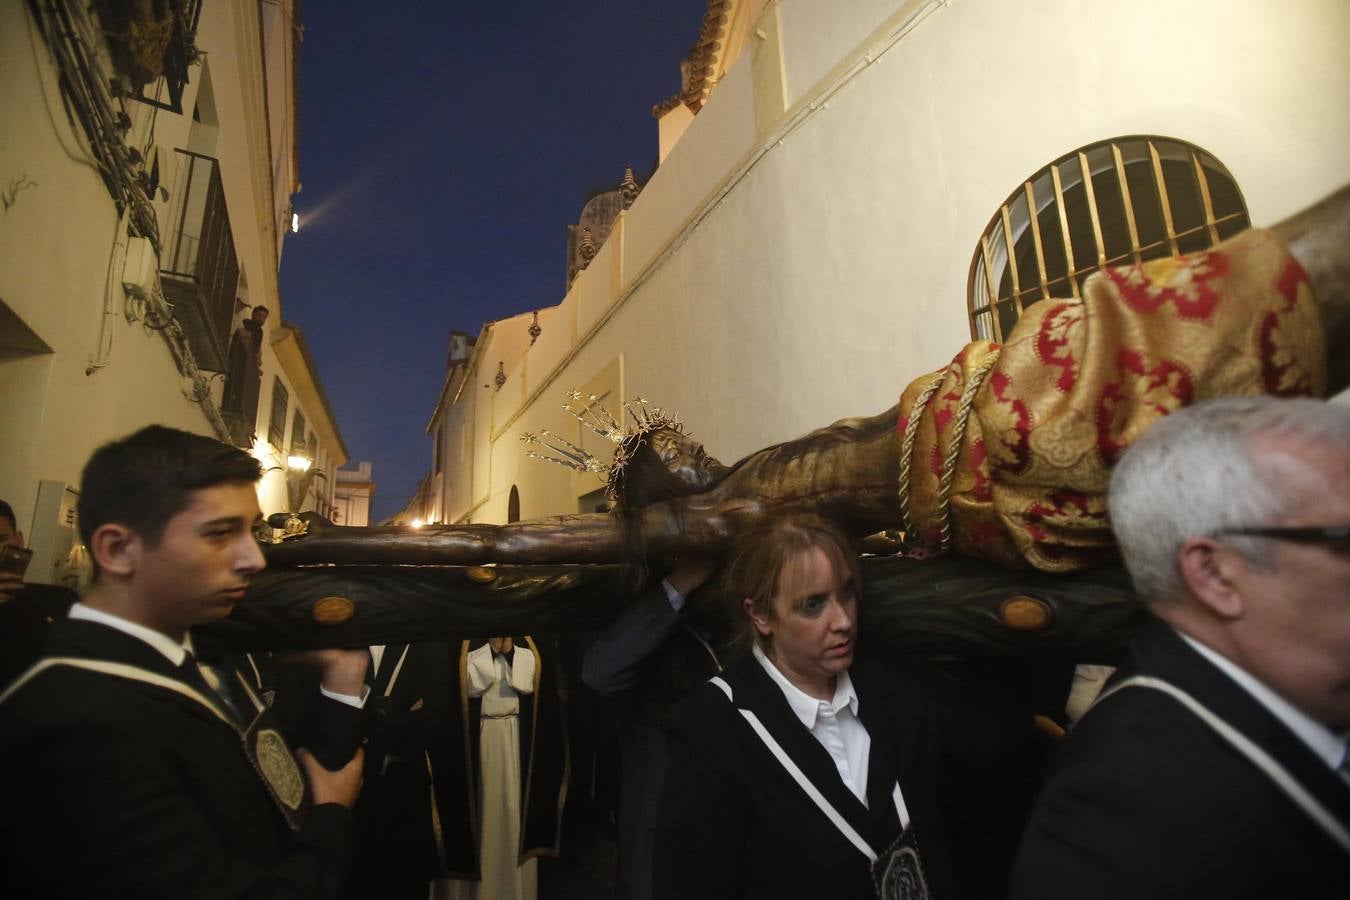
pixel 7 512
pixel 144 480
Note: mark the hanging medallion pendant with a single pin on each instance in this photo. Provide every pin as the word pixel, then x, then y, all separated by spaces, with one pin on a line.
pixel 898 873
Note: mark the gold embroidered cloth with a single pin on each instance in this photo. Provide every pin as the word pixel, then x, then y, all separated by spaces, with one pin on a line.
pixel 1077 380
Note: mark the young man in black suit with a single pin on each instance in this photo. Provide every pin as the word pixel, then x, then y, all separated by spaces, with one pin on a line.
pixel 1214 764
pixel 127 769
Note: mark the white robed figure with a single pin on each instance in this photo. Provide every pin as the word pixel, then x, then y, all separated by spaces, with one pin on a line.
pixel 498 672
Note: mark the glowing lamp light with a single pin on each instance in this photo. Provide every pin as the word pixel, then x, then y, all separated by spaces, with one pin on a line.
pixel 261 452
pixel 295 222
pixel 417 523
pixel 299 463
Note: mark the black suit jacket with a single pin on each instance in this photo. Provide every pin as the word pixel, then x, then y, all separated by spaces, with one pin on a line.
pixel 1148 801
pixel 25 620
pixel 415 720
pixel 645 661
pixel 733 823
pixel 117 788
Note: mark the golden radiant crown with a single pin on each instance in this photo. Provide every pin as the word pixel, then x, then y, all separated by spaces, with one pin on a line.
pixel 588 410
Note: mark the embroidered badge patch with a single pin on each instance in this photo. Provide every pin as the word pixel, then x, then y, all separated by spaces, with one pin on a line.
pixel 279 768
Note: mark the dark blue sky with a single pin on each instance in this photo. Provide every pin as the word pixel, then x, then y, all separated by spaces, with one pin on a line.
pixel 444 148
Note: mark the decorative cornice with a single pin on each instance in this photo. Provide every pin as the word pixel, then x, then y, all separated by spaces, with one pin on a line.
pixel 586 249
pixel 297 35
pixel 628 189
pixel 250 48
pixel 666 105
pixel 702 61
pixel 304 377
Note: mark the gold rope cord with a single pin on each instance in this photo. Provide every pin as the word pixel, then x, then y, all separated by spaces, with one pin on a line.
pixel 907 446
pixel 954 450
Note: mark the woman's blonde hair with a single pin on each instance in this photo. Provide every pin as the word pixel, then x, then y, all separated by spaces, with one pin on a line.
pixel 762 556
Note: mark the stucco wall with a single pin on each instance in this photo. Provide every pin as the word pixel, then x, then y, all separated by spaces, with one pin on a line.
pixel 56 243
pixel 778 274
pixel 61 258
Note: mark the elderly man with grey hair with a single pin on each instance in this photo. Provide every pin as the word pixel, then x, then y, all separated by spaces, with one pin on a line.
pixel 1214 764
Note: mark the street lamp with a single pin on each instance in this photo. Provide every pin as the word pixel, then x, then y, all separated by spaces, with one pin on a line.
pixel 300 475
pixel 298 461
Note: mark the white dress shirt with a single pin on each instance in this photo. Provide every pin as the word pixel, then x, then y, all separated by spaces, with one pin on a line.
pixel 175 652
pixel 834 723
pixel 1329 747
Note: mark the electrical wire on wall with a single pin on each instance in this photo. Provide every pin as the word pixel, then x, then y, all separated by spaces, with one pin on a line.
pixel 111 287
pixel 76 44
pixel 77 154
pixel 157 313
pixel 74 39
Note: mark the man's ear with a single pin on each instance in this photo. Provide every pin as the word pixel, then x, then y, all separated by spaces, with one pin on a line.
pixel 1209 568
pixel 761 621
pixel 115 548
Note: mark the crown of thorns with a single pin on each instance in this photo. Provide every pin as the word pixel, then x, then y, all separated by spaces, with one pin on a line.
pixel 588 410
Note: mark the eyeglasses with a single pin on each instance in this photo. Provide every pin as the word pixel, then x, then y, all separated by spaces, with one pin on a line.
pixel 1307 534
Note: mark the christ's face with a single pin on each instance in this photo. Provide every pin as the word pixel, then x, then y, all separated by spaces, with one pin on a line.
pixel 686 460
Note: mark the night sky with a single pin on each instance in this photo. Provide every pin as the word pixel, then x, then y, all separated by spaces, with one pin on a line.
pixel 444 148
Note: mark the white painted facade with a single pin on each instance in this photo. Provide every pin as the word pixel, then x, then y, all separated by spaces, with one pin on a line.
pixel 323 444
pixel 79 365
pixel 805 246
pixel 352 495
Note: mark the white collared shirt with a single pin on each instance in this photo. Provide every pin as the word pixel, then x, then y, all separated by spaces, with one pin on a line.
pixel 1329 747
pixel 834 723
pixel 175 652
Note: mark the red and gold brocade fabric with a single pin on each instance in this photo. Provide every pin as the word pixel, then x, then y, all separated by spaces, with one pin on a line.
pixel 1077 380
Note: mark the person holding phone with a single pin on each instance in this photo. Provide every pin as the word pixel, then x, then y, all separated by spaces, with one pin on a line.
pixel 13 556
pixel 26 610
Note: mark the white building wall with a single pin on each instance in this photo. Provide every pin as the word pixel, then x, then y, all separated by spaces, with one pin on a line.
pixel 78 364
pixel 272 491
pixel 95 374
pixel 351 499
pixel 231 38
pixel 803 251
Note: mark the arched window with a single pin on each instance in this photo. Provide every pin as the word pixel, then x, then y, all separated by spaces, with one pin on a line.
pixel 513 506
pixel 1117 201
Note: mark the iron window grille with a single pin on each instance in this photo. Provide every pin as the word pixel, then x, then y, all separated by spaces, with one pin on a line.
pixel 276 421
pixel 298 433
pixel 1124 200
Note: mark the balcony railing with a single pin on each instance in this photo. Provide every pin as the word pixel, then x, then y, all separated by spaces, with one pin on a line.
pixel 199 268
pixel 169 54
